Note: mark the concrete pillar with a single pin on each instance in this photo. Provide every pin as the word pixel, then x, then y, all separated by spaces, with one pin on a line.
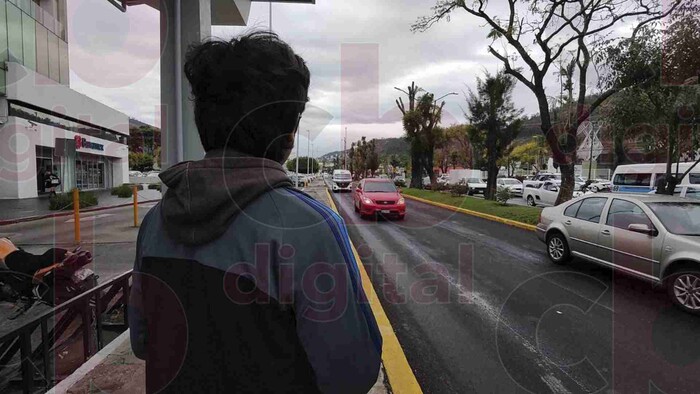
pixel 179 138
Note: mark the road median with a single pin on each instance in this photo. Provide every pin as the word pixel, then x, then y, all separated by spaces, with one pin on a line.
pixel 517 216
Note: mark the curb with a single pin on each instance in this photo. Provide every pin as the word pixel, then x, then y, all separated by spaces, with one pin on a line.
pixel 68 213
pixel 398 371
pixel 520 225
pixel 89 365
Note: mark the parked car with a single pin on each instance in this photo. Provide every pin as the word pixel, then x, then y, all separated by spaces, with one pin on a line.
pixel 653 237
pixel 537 180
pixel 341 181
pixel 544 194
pixel 512 184
pixel 135 173
pixel 456 176
pixel 378 196
pixel 301 180
pixel 476 186
pixel 600 185
pixel 580 182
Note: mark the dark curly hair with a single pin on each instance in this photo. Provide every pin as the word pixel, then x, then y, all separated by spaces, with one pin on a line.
pixel 248 93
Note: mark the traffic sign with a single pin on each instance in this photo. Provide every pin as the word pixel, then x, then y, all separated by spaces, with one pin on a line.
pixel 591 147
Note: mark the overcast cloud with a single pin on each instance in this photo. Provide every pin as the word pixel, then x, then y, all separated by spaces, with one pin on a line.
pixel 114 59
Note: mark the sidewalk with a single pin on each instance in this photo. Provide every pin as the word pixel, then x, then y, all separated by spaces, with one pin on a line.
pixel 18 210
pixel 115 369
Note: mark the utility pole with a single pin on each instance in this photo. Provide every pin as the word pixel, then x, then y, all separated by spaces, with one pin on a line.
pixel 296 177
pixel 308 151
pixel 590 158
pixel 345 148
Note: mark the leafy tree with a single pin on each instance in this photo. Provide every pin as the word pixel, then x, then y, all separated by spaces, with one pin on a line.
pixel 493 114
pixel 531 38
pixel 533 153
pixel 458 148
pixel 665 113
pixel 140 161
pixel 508 161
pixel 313 165
pixel 372 157
pixel 144 139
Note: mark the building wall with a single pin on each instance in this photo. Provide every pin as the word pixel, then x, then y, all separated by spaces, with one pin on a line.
pixel 27 86
pixel 34 36
pixel 19 139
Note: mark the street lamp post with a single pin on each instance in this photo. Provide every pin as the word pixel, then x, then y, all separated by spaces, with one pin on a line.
pixel 448 94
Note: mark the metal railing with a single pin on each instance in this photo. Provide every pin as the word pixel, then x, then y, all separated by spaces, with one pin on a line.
pixel 101 299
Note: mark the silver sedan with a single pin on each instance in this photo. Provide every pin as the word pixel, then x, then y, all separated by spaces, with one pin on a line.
pixel 653 237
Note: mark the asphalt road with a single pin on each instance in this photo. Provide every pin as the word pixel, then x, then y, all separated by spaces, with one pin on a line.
pixel 108 234
pixel 478 307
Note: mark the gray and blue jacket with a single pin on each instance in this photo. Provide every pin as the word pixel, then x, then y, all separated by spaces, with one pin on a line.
pixel 244 284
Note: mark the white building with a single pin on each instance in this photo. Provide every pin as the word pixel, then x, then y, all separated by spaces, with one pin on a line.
pixel 43 123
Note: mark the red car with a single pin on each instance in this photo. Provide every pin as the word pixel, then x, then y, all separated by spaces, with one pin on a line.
pixel 378 196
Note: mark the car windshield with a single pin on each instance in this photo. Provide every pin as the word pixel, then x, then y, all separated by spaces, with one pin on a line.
pixel 682 218
pixel 474 180
pixel 511 182
pixel 379 187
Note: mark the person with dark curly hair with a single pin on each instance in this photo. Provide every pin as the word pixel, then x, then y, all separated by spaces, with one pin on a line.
pixel 241 282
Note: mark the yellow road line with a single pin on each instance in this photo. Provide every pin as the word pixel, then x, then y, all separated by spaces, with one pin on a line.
pixel 400 375
pixel 509 222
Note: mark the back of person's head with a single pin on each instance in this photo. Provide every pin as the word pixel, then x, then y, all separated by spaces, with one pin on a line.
pixel 249 93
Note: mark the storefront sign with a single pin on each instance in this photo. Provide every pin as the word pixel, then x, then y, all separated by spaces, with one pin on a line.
pixel 81 142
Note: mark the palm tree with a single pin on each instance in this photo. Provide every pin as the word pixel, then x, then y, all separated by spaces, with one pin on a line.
pixel 492 112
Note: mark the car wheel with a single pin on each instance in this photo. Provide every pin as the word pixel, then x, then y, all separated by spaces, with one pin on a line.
pixel 557 248
pixel 531 201
pixel 595 189
pixel 470 192
pixel 684 290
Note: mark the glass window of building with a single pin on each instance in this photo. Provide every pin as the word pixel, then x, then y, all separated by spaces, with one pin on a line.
pixel 29 41
pixel 14 34
pixel 42 50
pixel 3 44
pixel 54 62
pixel 64 70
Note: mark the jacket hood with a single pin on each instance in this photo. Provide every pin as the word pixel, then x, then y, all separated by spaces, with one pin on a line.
pixel 204 196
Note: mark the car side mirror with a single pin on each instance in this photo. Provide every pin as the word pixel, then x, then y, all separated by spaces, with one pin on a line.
pixel 643 229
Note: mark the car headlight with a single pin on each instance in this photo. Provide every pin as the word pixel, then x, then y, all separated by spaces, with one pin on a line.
pixel 366 200
pixel 402 201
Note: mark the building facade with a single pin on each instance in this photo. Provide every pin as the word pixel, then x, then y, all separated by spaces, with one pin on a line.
pixel 45 125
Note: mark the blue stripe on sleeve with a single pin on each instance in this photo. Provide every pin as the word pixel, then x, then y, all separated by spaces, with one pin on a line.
pixel 339 230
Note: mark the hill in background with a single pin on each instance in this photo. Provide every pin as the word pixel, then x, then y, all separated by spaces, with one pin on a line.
pixel 385 147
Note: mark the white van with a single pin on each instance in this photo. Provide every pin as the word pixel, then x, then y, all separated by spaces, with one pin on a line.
pixel 643 178
pixel 457 175
pixel 341 181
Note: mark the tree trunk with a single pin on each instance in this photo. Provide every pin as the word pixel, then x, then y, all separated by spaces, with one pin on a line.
pixel 619 157
pixel 428 164
pixel 568 183
pixel 491 165
pixel 416 167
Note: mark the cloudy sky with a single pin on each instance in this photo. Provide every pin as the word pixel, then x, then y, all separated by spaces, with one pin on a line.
pixel 357 51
